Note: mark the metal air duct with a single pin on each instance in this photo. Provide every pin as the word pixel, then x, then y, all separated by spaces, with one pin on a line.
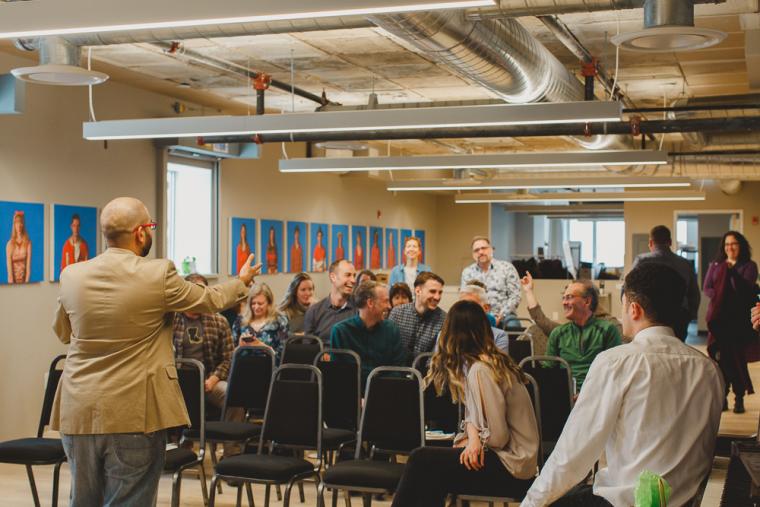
pixel 59 65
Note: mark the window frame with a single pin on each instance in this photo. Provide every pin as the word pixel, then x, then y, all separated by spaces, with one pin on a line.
pixel 202 162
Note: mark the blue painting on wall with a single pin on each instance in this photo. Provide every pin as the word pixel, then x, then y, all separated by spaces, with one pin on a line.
pixel 242 242
pixel 391 248
pixel 75 236
pixel 421 235
pixel 359 246
pixel 375 248
pixel 320 247
pixel 297 247
pixel 339 242
pixel 271 246
pixel 22 233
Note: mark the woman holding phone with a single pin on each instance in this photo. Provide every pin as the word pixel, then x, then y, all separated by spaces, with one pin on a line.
pixel 260 323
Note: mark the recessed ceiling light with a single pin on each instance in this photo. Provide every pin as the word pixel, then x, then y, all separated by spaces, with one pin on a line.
pixel 637 196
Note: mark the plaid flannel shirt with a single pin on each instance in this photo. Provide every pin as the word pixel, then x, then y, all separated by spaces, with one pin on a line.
pixel 217 343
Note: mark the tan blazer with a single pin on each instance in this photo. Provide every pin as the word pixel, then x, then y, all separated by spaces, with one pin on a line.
pixel 115 312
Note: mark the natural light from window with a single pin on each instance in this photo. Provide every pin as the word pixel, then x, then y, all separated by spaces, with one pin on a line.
pixel 602 241
pixel 190 213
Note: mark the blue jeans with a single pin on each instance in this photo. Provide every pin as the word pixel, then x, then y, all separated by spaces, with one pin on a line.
pixel 115 469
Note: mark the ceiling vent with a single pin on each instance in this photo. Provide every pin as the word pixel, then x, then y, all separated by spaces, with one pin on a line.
pixel 59 65
pixel 668 27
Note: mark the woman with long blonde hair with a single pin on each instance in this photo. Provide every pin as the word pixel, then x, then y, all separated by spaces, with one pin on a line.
pixel 18 251
pixel 260 323
pixel 496 453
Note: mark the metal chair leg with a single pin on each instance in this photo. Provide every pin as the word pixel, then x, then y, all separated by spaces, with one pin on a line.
pixel 249 491
pixel 367 500
pixel 301 496
pixel 334 498
pixel 267 492
pixel 215 462
pixel 56 481
pixel 278 491
pixel 286 498
pixel 320 494
pixel 239 499
pixel 202 477
pixel 30 475
pixel 176 486
pixel 347 497
pixel 212 490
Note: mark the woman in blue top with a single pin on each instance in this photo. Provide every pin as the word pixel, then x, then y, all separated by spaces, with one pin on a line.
pixel 408 272
pixel 260 323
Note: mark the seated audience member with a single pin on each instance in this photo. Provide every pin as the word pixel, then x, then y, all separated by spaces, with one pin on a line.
pixel 497 452
pixel 660 243
pixel 653 404
pixel 297 300
pixel 407 272
pixel 337 306
pixel 363 276
pixel 400 294
pixel 260 323
pixel 369 334
pixel 421 320
pixel 579 341
pixel 500 279
pixel 477 295
pixel 207 338
pixel 487 308
pixel 544 325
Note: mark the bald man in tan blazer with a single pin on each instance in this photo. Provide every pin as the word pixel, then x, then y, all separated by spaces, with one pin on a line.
pixel 119 388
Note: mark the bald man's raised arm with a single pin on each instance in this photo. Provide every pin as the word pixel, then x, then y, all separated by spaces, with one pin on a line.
pixel 183 296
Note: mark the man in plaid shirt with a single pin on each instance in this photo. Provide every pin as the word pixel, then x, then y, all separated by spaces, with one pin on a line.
pixel 206 337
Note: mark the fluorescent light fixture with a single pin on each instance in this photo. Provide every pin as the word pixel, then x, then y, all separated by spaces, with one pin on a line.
pixel 40 18
pixel 492 161
pixel 491 115
pixel 639 196
pixel 538 184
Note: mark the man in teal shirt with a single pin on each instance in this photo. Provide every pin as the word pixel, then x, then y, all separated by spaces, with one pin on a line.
pixel 580 340
pixel 369 334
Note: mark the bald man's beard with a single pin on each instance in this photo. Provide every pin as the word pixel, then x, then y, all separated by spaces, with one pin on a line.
pixel 146 247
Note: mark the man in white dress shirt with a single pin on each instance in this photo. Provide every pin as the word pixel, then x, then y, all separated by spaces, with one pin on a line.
pixel 653 404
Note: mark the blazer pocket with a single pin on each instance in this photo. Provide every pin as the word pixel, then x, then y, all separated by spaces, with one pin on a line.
pixel 171 372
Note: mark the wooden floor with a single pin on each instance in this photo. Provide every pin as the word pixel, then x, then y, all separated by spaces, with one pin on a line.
pixel 14 488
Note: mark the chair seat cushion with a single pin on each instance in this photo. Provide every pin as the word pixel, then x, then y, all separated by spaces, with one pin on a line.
pixel 332 438
pixel 176 458
pixel 364 473
pixel 226 431
pixel 32 450
pixel 263 466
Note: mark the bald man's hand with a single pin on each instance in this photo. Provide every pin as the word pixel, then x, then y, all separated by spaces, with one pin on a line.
pixel 249 272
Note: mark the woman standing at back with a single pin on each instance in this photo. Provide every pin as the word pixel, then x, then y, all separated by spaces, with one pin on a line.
pixel 731 285
pixel 496 454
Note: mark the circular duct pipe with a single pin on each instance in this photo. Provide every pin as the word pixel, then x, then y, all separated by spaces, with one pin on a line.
pixel 730 187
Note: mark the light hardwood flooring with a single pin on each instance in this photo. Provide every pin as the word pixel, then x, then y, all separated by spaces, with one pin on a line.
pixel 14 488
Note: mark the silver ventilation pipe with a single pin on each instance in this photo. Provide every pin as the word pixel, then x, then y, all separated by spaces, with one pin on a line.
pixel 518 8
pixel 500 55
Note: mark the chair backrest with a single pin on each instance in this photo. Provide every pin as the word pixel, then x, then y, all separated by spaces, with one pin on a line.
pixel 191 375
pixel 519 349
pixel 535 397
pixel 441 413
pixel 394 416
pixel 293 416
pixel 51 386
pixel 556 385
pixel 249 378
pixel 341 391
pixel 300 349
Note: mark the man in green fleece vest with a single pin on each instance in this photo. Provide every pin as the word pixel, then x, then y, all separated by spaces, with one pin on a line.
pixel 580 340
pixel 369 334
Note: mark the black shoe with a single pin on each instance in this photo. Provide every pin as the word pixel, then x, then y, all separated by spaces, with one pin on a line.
pixel 739 405
pixel 725 404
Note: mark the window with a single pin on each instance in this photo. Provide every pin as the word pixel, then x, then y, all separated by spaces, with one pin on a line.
pixel 602 241
pixel 191 211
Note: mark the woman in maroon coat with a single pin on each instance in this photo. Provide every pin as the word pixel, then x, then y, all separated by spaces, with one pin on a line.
pixel 731 285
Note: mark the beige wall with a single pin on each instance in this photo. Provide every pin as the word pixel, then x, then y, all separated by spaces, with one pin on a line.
pixel 255 188
pixel 456 225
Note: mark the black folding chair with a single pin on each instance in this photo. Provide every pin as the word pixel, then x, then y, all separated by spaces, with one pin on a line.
pixel 557 391
pixel 38 450
pixel 247 389
pixel 393 423
pixel 535 398
pixel 191 375
pixel 300 349
pixel 441 413
pixel 341 398
pixel 293 420
pixel 519 349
